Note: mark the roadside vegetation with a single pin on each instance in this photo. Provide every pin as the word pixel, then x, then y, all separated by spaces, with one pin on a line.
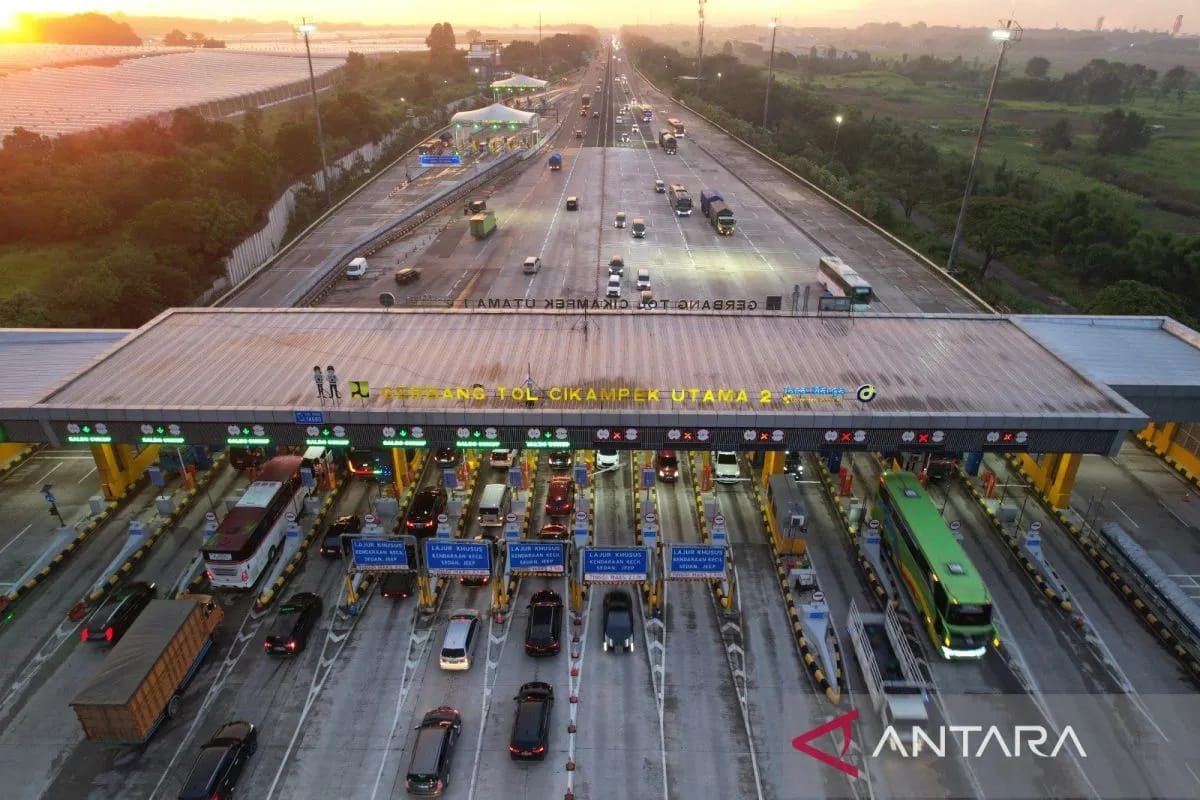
pixel 109 227
pixel 1085 186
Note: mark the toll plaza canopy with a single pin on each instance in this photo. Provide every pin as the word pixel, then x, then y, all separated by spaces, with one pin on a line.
pixel 35 359
pixel 1153 362
pixel 495 114
pixel 554 378
pixel 518 81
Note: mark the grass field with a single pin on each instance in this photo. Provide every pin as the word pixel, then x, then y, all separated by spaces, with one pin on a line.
pixel 949 115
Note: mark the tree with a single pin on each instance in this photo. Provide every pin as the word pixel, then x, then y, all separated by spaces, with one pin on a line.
pixel 1037 67
pixel 727 48
pixel 906 164
pixel 1056 137
pixel 356 67
pixel 1121 133
pixel 1176 80
pixel 176 38
pixel 441 43
pixel 997 226
pixel 474 36
pixel 520 54
pixel 1132 297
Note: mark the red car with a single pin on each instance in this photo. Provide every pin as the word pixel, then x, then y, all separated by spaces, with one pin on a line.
pixel 560 499
pixel 667 466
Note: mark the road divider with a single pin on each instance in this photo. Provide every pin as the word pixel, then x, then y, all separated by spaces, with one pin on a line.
pixel 15 461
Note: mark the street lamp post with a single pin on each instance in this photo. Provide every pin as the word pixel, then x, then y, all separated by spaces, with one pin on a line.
pixel 718 83
pixel 770 70
pixel 305 28
pixel 836 133
pixel 1009 34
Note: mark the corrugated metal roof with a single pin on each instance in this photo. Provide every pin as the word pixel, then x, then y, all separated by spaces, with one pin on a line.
pixel 1123 351
pixel 36 359
pixel 263 358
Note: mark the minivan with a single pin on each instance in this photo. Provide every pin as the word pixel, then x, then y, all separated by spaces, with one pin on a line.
pixel 727 469
pixel 614 286
pixel 572 203
pixel 462 633
pixel 494 504
pixel 532 265
pixel 357 268
pixel 620 219
pixel 643 279
pixel 429 769
pixel 616 265
pixel 639 229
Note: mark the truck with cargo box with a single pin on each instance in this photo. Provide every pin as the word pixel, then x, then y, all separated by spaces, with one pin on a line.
pixel 666 140
pixel 721 218
pixel 555 161
pixel 140 682
pixel 707 196
pixel 483 224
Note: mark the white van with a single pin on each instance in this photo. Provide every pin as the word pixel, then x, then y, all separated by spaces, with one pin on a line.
pixel 357 268
pixel 643 279
pixel 316 455
pixel 494 504
pixel 614 286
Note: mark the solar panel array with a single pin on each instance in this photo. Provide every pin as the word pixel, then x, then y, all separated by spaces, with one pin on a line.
pixel 66 100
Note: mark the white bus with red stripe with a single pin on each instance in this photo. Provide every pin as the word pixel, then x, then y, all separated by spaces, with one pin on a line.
pixel 252 533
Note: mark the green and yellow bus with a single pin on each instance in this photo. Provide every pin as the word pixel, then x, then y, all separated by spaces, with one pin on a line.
pixel 948 592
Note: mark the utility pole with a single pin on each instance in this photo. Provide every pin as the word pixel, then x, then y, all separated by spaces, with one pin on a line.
pixel 306 29
pixel 1010 33
pixel 700 50
pixel 541 65
pixel 770 70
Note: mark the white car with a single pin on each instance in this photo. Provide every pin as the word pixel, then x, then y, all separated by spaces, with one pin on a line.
pixel 502 459
pixel 726 467
pixel 607 459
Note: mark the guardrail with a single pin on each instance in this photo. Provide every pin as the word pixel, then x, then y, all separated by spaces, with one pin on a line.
pixel 938 272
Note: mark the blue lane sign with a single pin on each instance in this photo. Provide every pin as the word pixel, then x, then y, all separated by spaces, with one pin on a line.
pixel 537 558
pixel 309 417
pixel 615 564
pixel 379 554
pixel 451 557
pixel 454 160
pixel 704 562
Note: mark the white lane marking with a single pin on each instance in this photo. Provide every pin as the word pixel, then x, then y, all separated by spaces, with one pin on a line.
pixel 51 472
pixel 573 683
pixel 489 680
pixel 659 682
pixel 86 475
pixel 320 675
pixel 247 632
pixel 62 634
pixel 418 649
pixel 1125 515
pixel 15 538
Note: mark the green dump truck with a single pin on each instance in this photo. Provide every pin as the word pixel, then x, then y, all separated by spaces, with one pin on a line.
pixel 483 224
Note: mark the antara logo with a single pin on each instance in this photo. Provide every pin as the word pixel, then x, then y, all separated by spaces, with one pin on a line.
pixel 993 739
pixel 966 741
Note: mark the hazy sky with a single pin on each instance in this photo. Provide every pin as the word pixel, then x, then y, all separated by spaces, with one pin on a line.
pixel 1152 14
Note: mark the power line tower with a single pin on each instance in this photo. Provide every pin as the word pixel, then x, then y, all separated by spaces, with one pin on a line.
pixel 700 49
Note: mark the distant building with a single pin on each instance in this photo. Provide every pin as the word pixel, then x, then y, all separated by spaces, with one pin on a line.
pixel 483 59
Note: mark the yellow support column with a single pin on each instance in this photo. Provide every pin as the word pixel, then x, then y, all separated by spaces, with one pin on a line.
pixel 1036 474
pixel 134 464
pixel 772 465
pixel 10 450
pixel 111 477
pixel 1064 480
pixel 425 591
pixel 351 597
pixel 1163 437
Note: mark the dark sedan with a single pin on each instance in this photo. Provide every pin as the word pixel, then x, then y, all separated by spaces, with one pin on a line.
pixel 561 459
pixel 423 513
pixel 297 618
pixel 531 726
pixel 108 623
pixel 331 542
pixel 215 773
pixel 543 632
pixel 446 457
pixel 398 585
pixel 618 621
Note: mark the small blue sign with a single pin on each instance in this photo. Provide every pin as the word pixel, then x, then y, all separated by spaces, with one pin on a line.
pixel 537 558
pixel 309 417
pixel 648 477
pixel 456 557
pixel 704 562
pixel 449 479
pixel 615 564
pixel 379 554
pixel 453 160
